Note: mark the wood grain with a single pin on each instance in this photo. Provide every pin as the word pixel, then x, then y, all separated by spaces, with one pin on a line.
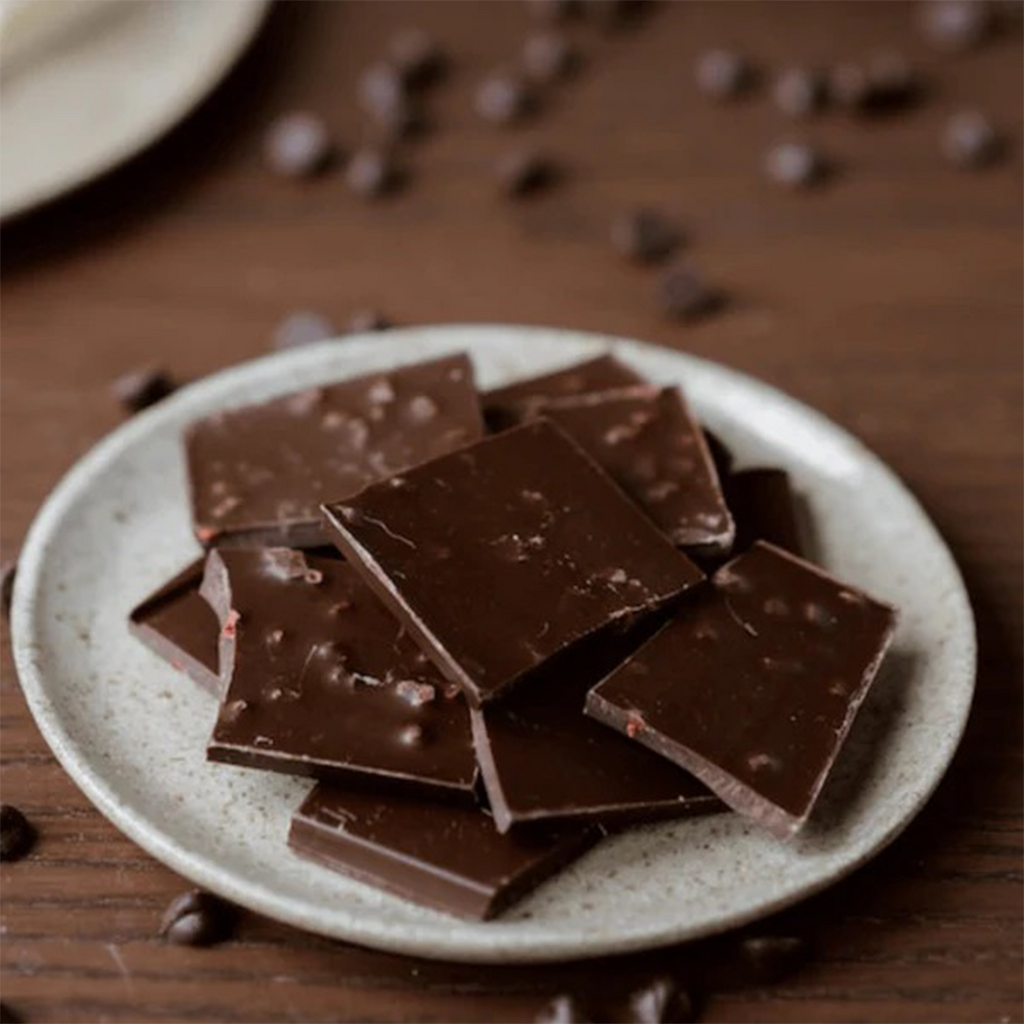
pixel 890 300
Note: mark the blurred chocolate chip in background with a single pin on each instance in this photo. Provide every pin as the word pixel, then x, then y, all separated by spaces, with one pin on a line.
pixel 614 14
pixel 139 389
pixel 364 321
pixel 17 835
pixel 661 1001
pixel 303 327
pixel 523 171
pixel 8 1016
pixel 892 82
pixel 8 572
pixel 198 918
pixel 970 140
pixel 298 145
pixel 847 86
pixel 645 235
pixel 724 74
pixel 769 958
pixel 373 172
pixel 799 92
pixel 794 165
pixel 685 295
pixel 956 25
pixel 417 57
pixel 565 1009
pixel 503 98
pixel 549 56
pixel 553 12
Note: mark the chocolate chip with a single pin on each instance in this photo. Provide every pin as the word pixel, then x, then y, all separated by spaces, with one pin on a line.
pixel 685 295
pixel 956 25
pixel 969 140
pixel 554 11
pixel 563 1010
pixel 363 321
pixel 772 957
pixel 661 1001
pixel 298 145
pixel 613 14
pixel 140 389
pixel 197 919
pixel 372 172
pixel 16 833
pixel 892 82
pixel 794 164
pixel 723 74
pixel 381 87
pixel 799 92
pixel 549 56
pixel 303 327
pixel 417 57
pixel 848 86
pixel 8 572
pixel 524 170
pixel 8 1016
pixel 503 99
pixel 645 235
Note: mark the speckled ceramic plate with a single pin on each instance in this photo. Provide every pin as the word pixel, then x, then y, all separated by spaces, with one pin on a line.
pixel 106 86
pixel 131 731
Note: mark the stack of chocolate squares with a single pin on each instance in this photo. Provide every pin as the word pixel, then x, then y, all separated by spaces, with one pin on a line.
pixel 496 626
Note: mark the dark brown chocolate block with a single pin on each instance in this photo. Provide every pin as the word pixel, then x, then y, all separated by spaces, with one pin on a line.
pixel 542 759
pixel 754 685
pixel 764 508
pixel 323 681
pixel 259 473
pixel 179 626
pixel 506 553
pixel 648 442
pixel 508 406
pixel 443 855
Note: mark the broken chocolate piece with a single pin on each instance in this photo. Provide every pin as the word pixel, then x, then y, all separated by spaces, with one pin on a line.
pixel 417 56
pixel 258 473
pixel 445 856
pixel 686 296
pixel 179 626
pixel 17 836
pixel 142 388
pixel 754 685
pixel 648 442
pixel 522 171
pixel 763 506
pixel 321 680
pixel 511 404
pixel 506 553
pixel 720 454
pixel 645 236
pixel 197 918
pixel 504 98
pixel 543 760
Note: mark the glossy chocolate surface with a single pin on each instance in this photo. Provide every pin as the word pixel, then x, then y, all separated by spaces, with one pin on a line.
pixel 509 405
pixel 179 626
pixel 506 553
pixel 649 443
pixel 259 473
pixel 446 856
pixel 764 507
pixel 323 681
pixel 755 683
pixel 542 759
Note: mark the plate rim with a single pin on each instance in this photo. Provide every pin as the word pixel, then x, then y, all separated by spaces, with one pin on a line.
pixel 211 875
pixel 185 102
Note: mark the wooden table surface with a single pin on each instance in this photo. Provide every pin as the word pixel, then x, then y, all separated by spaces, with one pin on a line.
pixel 890 299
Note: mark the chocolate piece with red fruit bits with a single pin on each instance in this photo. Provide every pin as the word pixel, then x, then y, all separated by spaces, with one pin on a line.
pixel 753 687
pixel 542 759
pixel 764 507
pixel 504 554
pixel 179 626
pixel 321 680
pixel 446 856
pixel 648 442
pixel 512 404
pixel 259 473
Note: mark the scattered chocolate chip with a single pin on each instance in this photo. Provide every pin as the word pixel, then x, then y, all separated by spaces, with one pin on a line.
pixel 16 833
pixel 524 170
pixel 548 57
pixel 645 235
pixel 794 164
pixel 8 1016
pixel 799 92
pixel 892 82
pixel 848 86
pixel 363 321
pixel 772 957
pixel 8 572
pixel 956 25
pixel 298 146
pixel 554 11
pixel 612 14
pixel 417 57
pixel 303 327
pixel 660 1001
pixel 140 389
pixel 685 295
pixel 504 98
pixel 381 88
pixel 372 172
pixel 563 1010
pixel 197 919
pixel 723 74
pixel 969 140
